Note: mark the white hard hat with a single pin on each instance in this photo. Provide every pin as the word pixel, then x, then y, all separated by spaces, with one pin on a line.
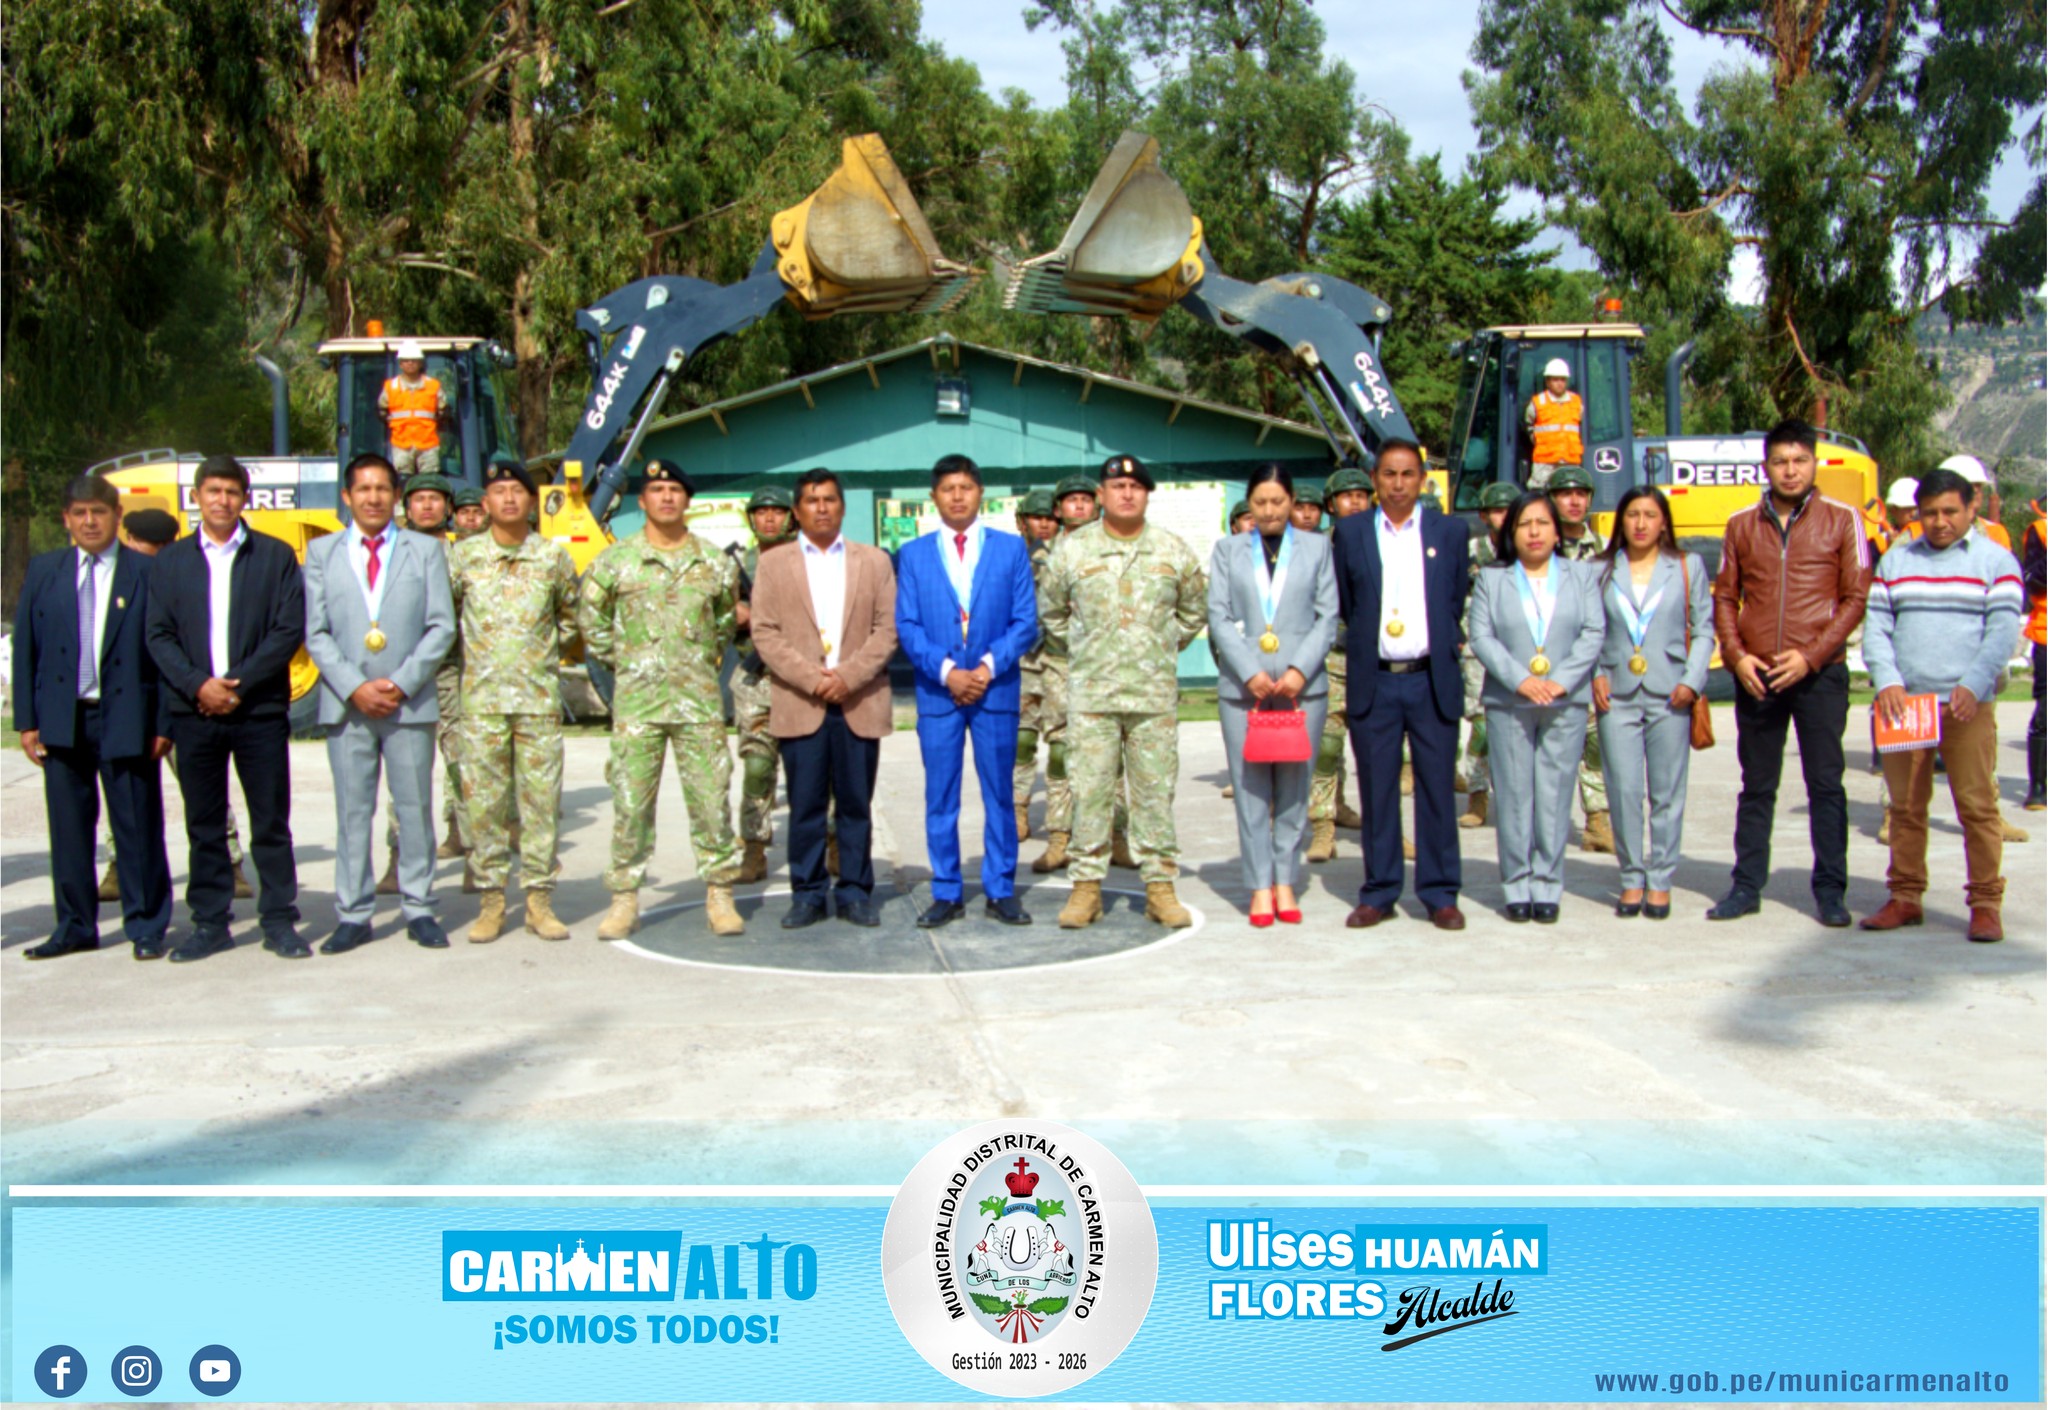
pixel 1557 367
pixel 1901 494
pixel 1969 467
pixel 409 351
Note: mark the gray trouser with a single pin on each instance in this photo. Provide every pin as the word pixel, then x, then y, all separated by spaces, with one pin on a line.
pixel 1272 800
pixel 1534 753
pixel 1648 748
pixel 358 751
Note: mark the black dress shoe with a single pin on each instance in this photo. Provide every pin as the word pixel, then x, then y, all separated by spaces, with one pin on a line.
pixel 426 932
pixel 1653 911
pixel 203 941
pixel 1735 905
pixel 287 944
pixel 1833 914
pixel 938 913
pixel 803 913
pixel 1543 912
pixel 1518 912
pixel 53 948
pixel 150 947
pixel 1628 910
pixel 1008 910
pixel 861 913
pixel 347 936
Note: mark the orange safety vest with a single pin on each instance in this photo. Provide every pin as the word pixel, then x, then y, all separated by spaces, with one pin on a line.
pixel 1996 533
pixel 414 414
pixel 2037 622
pixel 1556 429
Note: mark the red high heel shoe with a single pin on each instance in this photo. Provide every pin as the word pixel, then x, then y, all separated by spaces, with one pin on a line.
pixel 1260 922
pixel 1289 917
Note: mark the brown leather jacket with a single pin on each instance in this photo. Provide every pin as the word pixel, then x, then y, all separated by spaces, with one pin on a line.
pixel 1798 587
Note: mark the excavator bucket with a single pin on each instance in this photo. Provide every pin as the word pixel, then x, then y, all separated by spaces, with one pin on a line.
pixel 859 244
pixel 1132 250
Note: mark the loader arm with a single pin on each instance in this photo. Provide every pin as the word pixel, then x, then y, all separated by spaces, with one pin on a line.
pixel 857 244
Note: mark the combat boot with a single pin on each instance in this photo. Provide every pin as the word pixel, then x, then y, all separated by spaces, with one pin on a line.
pixel 453 847
pixel 1055 856
pixel 623 918
pixel 540 917
pixel 1407 849
pixel 1347 816
pixel 1407 780
pixel 1884 830
pixel 1120 853
pixel 243 890
pixel 1083 907
pixel 1023 822
pixel 832 854
pixel 490 919
pixel 2012 834
pixel 754 863
pixel 110 885
pixel 1475 809
pixel 387 885
pixel 719 913
pixel 1165 907
pixel 1230 790
pixel 1599 834
pixel 1322 840
pixel 470 885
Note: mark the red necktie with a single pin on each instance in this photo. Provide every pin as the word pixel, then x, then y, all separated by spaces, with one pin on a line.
pixel 372 545
pixel 960 542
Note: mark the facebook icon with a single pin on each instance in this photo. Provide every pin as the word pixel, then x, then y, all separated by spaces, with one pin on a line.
pixel 60 1371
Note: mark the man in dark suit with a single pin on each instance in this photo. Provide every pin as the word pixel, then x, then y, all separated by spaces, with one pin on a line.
pixel 226 616
pixel 1401 581
pixel 87 703
pixel 966 612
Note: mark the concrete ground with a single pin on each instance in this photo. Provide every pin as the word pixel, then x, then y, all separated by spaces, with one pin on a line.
pixel 1596 1051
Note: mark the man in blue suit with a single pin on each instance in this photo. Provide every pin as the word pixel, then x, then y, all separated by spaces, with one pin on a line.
pixel 1401 585
pixel 87 703
pixel 966 614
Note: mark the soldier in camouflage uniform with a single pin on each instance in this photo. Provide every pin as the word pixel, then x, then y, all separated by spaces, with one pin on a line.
pixel 1571 494
pixel 1123 597
pixel 515 601
pixel 1075 503
pixel 660 608
pixel 771 513
pixel 1347 492
pixel 469 517
pixel 1038 522
pixel 1494 503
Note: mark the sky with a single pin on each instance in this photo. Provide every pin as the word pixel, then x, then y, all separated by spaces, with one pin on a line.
pixel 1411 69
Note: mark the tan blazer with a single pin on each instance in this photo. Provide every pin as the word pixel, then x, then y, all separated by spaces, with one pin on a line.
pixel 786 634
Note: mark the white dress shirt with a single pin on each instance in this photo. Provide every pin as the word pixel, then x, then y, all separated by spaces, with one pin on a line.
pixel 101 566
pixel 1403 593
pixel 825 570
pixel 220 564
pixel 960 571
pixel 359 561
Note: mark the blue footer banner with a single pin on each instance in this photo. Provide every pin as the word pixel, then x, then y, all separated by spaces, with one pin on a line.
pixel 1024 1275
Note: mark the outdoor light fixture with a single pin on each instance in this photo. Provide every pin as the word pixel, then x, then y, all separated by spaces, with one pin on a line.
pixel 953 397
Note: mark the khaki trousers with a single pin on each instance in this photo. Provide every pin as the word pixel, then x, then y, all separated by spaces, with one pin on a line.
pixel 1971 753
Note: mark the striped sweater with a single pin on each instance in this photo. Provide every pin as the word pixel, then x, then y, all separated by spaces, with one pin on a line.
pixel 1938 620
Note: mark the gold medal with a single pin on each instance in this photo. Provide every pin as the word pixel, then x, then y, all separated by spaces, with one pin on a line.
pixel 1539 665
pixel 1637 664
pixel 374 638
pixel 1395 627
pixel 1269 643
pixel 826 642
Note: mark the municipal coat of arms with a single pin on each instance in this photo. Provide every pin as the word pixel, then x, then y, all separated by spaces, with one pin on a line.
pixel 1020 1270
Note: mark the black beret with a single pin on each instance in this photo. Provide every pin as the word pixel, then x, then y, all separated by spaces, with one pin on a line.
pixel 1122 467
pixel 509 470
pixel 668 471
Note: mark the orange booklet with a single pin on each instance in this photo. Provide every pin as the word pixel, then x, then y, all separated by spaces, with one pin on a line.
pixel 1918 728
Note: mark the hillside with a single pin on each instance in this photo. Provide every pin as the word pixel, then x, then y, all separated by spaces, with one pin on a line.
pixel 1997 374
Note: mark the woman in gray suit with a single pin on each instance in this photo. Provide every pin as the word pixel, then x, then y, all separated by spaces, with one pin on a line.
pixel 1652 594
pixel 1535 625
pixel 1272 622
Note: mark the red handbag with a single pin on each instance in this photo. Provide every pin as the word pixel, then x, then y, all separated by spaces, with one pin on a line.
pixel 1277 736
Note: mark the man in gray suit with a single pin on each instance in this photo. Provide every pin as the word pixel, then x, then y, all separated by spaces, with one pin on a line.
pixel 379 620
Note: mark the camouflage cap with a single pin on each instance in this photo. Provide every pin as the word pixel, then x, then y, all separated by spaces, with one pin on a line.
pixel 1498 495
pixel 468 497
pixel 1570 477
pixel 771 497
pixel 1238 511
pixel 437 483
pixel 1349 478
pixel 1073 484
pixel 1039 504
